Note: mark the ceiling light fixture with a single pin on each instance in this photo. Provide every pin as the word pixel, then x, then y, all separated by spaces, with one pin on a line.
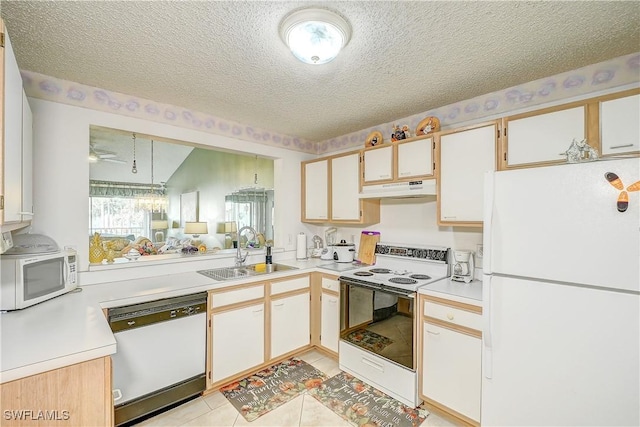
pixel 315 36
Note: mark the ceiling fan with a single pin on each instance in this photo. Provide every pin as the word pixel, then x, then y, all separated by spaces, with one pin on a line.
pixel 98 155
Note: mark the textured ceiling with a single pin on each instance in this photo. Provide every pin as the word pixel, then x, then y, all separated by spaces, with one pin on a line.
pixel 226 58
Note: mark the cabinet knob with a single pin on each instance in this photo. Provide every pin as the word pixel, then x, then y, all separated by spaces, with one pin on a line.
pixel 450 316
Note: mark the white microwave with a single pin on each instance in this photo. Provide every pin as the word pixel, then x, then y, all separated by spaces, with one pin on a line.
pixel 32 279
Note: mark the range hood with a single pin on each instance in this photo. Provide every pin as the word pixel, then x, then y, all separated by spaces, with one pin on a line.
pixel 420 188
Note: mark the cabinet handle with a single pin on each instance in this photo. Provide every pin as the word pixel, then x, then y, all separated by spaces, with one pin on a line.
pixel 373 364
pixel 384 176
pixel 258 311
pixel 131 322
pixel 26 213
pixel 405 173
pixel 332 301
pixel 450 217
pixel 278 305
pixel 621 146
pixel 432 332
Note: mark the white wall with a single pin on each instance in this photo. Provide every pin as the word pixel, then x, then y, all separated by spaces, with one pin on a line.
pixel 61 171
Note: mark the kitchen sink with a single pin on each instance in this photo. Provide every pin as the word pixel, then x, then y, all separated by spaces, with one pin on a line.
pixel 230 273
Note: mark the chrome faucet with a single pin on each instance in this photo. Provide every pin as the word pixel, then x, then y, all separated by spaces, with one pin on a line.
pixel 239 258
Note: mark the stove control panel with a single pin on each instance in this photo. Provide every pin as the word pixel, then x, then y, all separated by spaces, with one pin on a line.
pixel 440 254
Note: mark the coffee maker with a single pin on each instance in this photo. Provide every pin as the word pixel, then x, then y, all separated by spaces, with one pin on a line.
pixel 463 267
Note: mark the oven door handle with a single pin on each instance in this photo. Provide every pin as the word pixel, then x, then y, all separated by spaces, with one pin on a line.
pixel 380 288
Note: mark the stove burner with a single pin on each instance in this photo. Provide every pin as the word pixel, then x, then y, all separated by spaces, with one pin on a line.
pixel 362 273
pixel 403 281
pixel 420 277
pixel 380 270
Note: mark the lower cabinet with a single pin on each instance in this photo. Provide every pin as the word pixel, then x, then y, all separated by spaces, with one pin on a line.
pixel 78 395
pixel 253 325
pixel 238 340
pixel 330 314
pixel 290 327
pixel 451 352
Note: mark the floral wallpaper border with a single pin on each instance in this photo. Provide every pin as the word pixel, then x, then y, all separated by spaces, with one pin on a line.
pixel 66 92
pixel 616 72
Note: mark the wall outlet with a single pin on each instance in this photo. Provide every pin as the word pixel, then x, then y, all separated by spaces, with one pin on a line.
pixel 479 251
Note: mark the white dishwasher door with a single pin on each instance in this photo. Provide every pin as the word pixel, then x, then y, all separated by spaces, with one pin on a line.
pixel 153 357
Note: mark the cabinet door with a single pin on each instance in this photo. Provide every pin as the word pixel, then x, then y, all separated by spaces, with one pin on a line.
pixel 378 164
pixel 620 125
pixel 316 190
pixel 290 319
pixel 464 158
pixel 237 341
pixel 345 186
pixel 451 373
pixel 12 160
pixel 330 322
pixel 415 158
pixel 544 137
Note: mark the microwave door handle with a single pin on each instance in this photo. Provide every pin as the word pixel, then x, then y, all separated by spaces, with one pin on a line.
pixel 65 271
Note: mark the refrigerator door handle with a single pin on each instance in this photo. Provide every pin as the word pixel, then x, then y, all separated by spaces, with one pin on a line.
pixel 487 335
pixel 487 216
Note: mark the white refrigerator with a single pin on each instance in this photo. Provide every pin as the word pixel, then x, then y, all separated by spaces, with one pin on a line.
pixel 561 285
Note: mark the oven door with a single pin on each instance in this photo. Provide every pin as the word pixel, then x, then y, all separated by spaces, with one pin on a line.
pixel 379 320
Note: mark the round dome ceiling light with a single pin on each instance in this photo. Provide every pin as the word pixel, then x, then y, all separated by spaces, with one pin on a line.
pixel 315 36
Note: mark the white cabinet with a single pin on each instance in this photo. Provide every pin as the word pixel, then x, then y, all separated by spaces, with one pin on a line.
pixel 543 136
pixel 330 314
pixel 290 326
pixel 378 164
pixel 450 371
pixel 331 192
pixel 415 158
pixel 315 176
pixel 345 186
pixel 237 341
pixel 400 161
pixel 464 156
pixel 16 196
pixel 620 125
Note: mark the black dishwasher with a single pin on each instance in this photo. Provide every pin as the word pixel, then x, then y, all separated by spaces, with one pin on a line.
pixel 161 354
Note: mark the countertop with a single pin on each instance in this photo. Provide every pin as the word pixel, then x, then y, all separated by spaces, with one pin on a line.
pixel 470 293
pixel 72 328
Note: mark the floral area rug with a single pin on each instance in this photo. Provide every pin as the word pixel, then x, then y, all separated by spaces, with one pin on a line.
pixel 264 391
pixel 369 340
pixel 363 405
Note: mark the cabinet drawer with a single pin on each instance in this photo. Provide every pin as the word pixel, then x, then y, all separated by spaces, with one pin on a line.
pixel 235 296
pixel 289 285
pixel 453 315
pixel 330 284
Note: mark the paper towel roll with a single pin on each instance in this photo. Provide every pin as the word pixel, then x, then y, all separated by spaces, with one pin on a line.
pixel 301 246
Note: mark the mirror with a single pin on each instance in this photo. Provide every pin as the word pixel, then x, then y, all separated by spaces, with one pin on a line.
pixel 180 195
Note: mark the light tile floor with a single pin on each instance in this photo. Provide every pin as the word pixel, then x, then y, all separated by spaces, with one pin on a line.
pixel 303 411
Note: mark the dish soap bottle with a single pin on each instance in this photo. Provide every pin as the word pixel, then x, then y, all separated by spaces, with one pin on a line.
pixel 268 260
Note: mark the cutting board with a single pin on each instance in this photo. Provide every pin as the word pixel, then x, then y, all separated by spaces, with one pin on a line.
pixel 367 249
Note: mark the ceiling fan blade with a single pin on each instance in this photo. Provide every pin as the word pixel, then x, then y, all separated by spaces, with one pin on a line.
pixel 106 155
pixel 102 159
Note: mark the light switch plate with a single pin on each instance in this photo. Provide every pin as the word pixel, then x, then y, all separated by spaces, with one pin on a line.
pixel 479 251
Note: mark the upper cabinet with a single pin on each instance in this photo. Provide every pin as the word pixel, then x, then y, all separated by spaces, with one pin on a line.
pixel 16 188
pixel 542 136
pixel 315 184
pixel 407 159
pixel 620 123
pixel 464 155
pixel 610 124
pixel 331 188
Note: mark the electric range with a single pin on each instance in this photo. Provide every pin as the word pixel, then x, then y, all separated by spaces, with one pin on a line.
pixel 378 320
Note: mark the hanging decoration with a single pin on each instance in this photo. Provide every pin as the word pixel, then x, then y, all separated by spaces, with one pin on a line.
pixel 134 169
